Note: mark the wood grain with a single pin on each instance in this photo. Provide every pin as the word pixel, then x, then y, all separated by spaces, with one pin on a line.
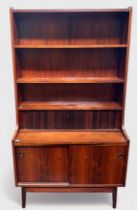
pixel 70 46
pixel 68 189
pixel 41 137
pixel 71 64
pixel 96 164
pixel 61 105
pixel 70 80
pixel 71 27
pixel 50 164
pixel 70 93
pixel 46 164
pixel 70 74
pixel 70 119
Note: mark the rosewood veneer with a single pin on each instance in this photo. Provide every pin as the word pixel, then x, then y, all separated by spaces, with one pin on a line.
pixel 70 74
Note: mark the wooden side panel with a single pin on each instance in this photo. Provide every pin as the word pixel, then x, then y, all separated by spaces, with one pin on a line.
pixel 98 165
pixel 42 164
pixel 126 64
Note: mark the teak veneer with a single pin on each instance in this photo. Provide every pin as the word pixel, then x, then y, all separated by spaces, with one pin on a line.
pixel 70 74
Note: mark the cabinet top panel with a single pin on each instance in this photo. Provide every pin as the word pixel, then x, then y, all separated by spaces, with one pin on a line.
pixel 72 10
pixel 41 137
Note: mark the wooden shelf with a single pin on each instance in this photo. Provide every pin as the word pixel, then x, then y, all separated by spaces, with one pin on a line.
pixel 69 45
pixel 62 105
pixel 70 80
pixel 42 137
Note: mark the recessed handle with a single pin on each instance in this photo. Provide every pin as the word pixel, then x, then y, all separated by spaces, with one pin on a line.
pixel 21 154
pixel 68 115
pixel 120 155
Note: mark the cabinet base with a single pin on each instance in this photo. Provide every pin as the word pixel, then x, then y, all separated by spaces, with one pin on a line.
pixel 112 190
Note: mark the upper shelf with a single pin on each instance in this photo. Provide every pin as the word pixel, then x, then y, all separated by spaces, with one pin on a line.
pixel 56 45
pixel 62 29
pixel 70 80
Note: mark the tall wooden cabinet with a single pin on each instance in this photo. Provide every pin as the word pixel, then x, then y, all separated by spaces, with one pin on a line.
pixel 70 72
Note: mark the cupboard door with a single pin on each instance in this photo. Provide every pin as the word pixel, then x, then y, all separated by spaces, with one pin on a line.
pixel 104 165
pixel 81 164
pixel 42 164
pixel 110 165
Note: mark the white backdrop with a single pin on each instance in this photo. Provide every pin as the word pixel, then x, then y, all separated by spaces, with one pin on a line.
pixel 9 195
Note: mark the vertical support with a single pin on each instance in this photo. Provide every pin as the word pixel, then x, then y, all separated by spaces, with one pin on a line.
pixel 114 197
pixel 23 197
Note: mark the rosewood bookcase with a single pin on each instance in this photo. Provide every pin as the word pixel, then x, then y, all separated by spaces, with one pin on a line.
pixel 70 73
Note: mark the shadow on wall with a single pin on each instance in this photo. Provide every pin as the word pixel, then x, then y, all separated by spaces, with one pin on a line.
pixel 54 199
pixel 9 190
